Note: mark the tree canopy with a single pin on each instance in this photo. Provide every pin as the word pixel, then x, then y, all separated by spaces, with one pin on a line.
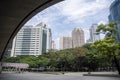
pixel 109 45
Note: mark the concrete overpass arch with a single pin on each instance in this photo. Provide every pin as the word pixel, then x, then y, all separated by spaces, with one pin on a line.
pixel 14 14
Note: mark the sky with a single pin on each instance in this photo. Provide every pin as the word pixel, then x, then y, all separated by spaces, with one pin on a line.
pixel 66 15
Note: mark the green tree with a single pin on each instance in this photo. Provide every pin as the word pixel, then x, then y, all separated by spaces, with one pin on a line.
pixel 92 61
pixel 11 59
pixel 80 51
pixel 65 57
pixel 54 58
pixel 108 46
pixel 78 57
pixel 31 60
pixel 87 46
pixel 43 61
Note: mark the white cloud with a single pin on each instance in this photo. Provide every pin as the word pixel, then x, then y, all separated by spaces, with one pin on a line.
pixel 74 10
pixel 77 10
pixel 102 22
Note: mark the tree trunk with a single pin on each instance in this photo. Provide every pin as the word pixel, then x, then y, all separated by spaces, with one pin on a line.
pixel 117 64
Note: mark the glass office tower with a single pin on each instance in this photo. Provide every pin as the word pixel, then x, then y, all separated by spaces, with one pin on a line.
pixel 115 15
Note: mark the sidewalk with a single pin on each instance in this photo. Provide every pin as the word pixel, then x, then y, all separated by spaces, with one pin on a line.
pixel 102 74
pixel 99 74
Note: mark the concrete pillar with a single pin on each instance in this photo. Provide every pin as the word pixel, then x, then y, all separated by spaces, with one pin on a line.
pixel 0 67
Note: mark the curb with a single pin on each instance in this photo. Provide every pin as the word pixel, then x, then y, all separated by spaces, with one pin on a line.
pixel 102 75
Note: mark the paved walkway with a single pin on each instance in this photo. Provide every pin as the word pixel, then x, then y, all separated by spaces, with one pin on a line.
pixel 93 73
pixel 39 76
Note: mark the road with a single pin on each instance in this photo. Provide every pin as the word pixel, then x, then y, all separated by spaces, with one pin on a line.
pixel 38 76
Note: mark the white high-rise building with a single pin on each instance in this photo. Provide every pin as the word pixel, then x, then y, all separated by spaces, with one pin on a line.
pixel 65 42
pixel 32 40
pixel 78 39
pixel 93 35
